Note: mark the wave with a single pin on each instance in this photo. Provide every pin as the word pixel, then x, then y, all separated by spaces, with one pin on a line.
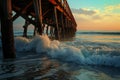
pixel 66 53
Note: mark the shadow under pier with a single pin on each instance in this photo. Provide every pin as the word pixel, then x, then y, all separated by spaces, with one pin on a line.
pixel 52 17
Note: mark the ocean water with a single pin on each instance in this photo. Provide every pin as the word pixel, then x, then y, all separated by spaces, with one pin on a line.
pixel 87 56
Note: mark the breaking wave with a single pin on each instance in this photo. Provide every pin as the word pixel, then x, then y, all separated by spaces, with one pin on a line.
pixel 68 53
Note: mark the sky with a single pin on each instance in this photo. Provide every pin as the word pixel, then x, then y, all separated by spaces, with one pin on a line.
pixel 96 15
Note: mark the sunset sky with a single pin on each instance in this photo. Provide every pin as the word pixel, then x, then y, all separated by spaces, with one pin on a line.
pixel 96 15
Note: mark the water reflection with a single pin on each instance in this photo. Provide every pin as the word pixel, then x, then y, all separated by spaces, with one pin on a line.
pixel 38 69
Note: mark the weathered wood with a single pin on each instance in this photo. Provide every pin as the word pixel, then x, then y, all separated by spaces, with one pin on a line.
pixel 15 17
pixel 38 12
pixel 21 11
pixel 25 28
pixel 46 12
pixel 61 6
pixel 66 25
pixel 57 10
pixel 25 17
pixel 27 6
pixel 62 26
pixel 0 12
pixel 57 36
pixel 7 30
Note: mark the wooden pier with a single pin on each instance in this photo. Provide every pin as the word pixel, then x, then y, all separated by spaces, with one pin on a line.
pixel 53 15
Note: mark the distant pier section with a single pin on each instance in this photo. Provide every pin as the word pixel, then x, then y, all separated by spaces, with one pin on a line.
pixel 53 17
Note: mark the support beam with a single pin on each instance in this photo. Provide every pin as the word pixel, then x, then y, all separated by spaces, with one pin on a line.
pixel 66 25
pixel 24 16
pixel 57 36
pixel 63 30
pixel 38 12
pixel 25 28
pixel 26 7
pixel 15 17
pixel 21 11
pixel 7 29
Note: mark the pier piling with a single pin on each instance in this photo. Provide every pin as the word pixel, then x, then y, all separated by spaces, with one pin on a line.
pixel 38 13
pixel 7 30
pixel 56 14
pixel 56 32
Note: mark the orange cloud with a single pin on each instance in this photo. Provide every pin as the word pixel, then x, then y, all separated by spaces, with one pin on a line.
pixel 96 20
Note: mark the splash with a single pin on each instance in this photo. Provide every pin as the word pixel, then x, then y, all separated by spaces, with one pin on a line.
pixel 63 52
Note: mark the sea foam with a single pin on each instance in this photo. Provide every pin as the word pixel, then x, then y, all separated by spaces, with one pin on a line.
pixel 63 52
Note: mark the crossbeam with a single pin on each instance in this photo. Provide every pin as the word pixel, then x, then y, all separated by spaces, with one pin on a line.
pixel 56 14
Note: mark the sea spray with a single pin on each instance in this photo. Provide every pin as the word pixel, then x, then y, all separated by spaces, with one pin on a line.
pixel 53 48
pixel 20 43
pixel 65 53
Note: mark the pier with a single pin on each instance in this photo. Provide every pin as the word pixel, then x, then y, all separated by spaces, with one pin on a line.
pixel 52 16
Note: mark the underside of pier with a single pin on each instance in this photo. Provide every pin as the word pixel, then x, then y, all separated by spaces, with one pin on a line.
pixel 52 16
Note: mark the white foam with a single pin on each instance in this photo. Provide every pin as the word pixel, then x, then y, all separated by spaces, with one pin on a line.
pixel 63 52
pixel 20 43
pixel 91 75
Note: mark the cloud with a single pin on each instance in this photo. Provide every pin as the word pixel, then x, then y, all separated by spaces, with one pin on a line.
pixel 97 17
pixel 106 18
pixel 108 15
pixel 112 8
pixel 109 8
pixel 80 18
pixel 86 15
pixel 84 11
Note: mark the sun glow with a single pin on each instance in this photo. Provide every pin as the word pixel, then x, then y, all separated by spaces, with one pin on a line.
pixel 97 15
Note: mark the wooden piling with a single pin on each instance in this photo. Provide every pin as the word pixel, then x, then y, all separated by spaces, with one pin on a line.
pixel 57 10
pixel 66 27
pixel 62 31
pixel 57 36
pixel 38 12
pixel 7 30
pixel 25 28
